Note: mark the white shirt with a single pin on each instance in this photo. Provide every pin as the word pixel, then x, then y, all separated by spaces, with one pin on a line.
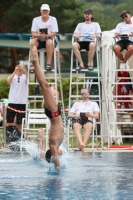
pixel 85 30
pixel 84 107
pixel 51 24
pixel 124 28
pixel 18 90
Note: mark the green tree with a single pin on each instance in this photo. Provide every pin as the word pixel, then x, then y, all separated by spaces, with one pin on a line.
pixel 18 17
pixel 4 6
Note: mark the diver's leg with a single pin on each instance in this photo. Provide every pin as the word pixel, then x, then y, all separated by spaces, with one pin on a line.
pixel 47 93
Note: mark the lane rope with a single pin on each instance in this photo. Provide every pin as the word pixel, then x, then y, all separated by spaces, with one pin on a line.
pixel 19 111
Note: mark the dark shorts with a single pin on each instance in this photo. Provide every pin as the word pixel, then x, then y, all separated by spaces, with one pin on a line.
pixel 80 121
pixel 84 45
pixel 10 115
pixel 52 114
pixel 124 44
pixel 43 44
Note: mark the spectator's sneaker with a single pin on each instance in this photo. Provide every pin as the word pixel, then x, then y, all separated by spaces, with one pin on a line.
pixel 122 65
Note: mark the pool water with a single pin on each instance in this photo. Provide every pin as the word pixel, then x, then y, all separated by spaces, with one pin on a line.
pixel 83 176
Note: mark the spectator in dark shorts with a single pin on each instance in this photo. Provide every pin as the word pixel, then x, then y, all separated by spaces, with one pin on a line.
pixel 44 38
pixel 17 96
pixel 124 42
pixel 86 32
pixel 82 113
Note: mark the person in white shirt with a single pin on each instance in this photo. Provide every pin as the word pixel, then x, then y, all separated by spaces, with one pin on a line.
pixel 124 33
pixel 86 32
pixel 82 114
pixel 44 29
pixel 17 96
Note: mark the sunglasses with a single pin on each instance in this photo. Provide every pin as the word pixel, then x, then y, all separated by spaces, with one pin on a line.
pixel 18 79
pixel 125 16
pixel 84 94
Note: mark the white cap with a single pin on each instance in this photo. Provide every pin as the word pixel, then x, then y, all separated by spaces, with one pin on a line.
pixel 45 7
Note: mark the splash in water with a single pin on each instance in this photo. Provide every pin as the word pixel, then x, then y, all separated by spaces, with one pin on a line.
pixel 32 149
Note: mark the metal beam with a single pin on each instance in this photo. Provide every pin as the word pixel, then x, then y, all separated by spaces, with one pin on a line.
pixel 24 44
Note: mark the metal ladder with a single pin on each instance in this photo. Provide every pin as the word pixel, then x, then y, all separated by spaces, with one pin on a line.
pixel 110 114
pixel 53 77
pixel 89 80
pixel 117 116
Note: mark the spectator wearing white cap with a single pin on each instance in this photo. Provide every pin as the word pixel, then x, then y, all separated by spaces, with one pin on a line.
pixel 124 33
pixel 44 29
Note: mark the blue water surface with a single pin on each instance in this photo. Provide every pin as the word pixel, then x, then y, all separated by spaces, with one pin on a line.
pixel 83 176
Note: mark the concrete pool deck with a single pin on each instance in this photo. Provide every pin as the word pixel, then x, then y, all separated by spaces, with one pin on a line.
pixel 104 149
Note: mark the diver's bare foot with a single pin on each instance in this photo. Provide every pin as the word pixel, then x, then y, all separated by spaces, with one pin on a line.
pixel 34 55
pixel 82 146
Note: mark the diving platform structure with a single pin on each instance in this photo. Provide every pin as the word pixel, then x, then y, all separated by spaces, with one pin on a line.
pixel 116 91
pixel 115 124
pixel 21 40
pixel 86 79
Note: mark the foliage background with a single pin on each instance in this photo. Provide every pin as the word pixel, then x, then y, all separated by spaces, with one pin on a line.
pixel 16 15
pixel 4 89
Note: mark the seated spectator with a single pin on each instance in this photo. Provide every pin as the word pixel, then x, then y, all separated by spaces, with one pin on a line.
pixel 44 29
pixel 124 33
pixel 82 114
pixel 86 32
